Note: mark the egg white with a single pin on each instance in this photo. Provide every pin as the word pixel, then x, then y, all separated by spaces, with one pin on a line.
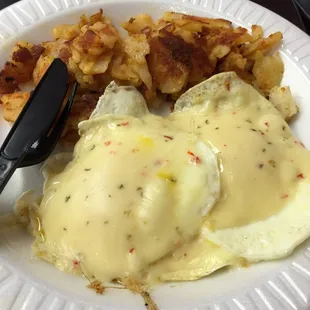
pixel 278 235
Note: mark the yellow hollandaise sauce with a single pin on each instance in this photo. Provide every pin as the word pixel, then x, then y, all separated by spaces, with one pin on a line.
pixel 132 194
pixel 142 196
pixel 261 163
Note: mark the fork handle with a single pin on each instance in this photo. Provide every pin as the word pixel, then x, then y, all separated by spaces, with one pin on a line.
pixel 7 168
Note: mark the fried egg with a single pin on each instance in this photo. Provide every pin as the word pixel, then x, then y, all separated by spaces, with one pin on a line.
pixel 221 181
pixel 263 212
pixel 136 190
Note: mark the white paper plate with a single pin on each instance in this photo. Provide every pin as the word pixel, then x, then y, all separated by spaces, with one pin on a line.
pixel 27 283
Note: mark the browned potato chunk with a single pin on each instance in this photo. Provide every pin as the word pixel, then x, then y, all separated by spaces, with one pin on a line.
pixel 13 105
pixel 138 24
pixel 42 65
pixel 262 45
pixel 268 72
pixel 19 69
pixel 66 32
pixel 257 32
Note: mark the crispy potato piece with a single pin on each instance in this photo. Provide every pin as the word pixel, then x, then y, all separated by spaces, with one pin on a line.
pixel 42 65
pixel 96 40
pixel 13 105
pixel 163 58
pixel 7 84
pixel 181 19
pixel 122 69
pixel 281 98
pixel 92 50
pixel 243 38
pixel 220 51
pixel 262 45
pixel 268 72
pixel 139 24
pixel 98 65
pixel 169 63
pixel 257 32
pixel 19 69
pixel 137 48
pixel 233 62
pixel 66 32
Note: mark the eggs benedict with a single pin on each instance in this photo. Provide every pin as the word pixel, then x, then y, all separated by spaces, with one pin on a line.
pixel 221 181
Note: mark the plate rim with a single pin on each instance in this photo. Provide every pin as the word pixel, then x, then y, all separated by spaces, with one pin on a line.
pixel 284 284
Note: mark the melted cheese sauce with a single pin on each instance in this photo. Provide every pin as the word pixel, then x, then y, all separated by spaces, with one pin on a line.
pixel 129 197
pixel 138 193
pixel 261 162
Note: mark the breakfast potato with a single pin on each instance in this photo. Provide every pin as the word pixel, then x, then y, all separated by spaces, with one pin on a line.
pixel 138 24
pixel 66 32
pixel 20 67
pixel 263 45
pixel 137 48
pixel 122 68
pixel 41 67
pixel 170 72
pixel 233 62
pixel 182 19
pixel 268 72
pixel 257 32
pixel 282 99
pixel 162 57
pixel 13 104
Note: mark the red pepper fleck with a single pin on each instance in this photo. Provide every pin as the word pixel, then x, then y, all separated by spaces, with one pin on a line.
pixel 124 124
pixel 234 113
pixel 135 150
pixel 267 124
pixel 158 162
pixel 143 173
pixel 168 137
pixel 107 143
pixel 195 159
pixel 284 196
pixel 262 133
pixel 225 145
pixel 131 250
pixel 76 263
pixel 300 176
